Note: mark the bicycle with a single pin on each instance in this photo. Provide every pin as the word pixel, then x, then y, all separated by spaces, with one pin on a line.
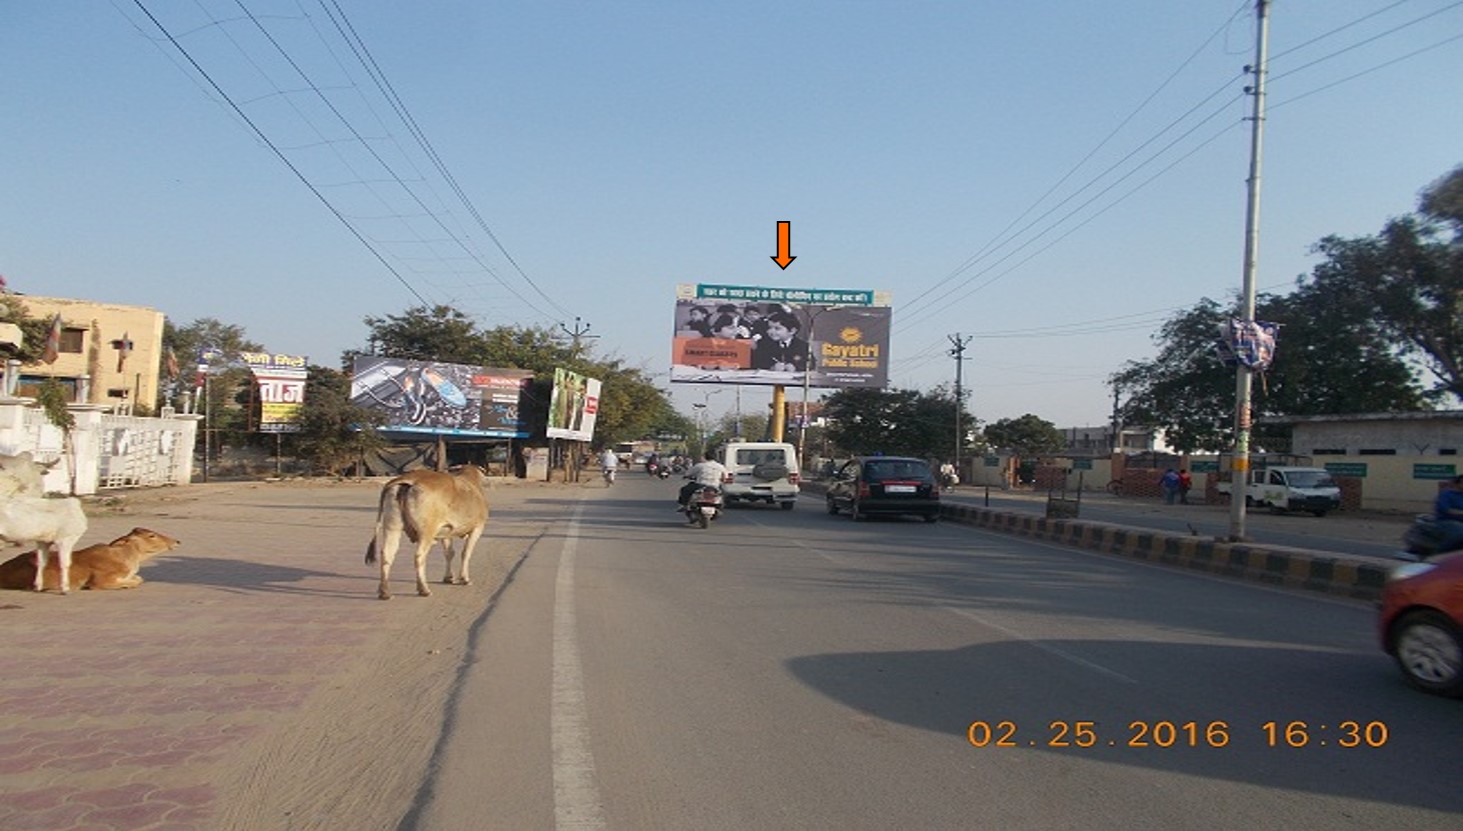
pixel 1115 487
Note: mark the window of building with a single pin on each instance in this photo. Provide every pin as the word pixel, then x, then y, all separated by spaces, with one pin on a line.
pixel 72 340
pixel 1329 451
pixel 1377 451
pixel 1447 451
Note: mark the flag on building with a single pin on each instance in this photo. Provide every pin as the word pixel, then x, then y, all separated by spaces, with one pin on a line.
pixel 52 349
pixel 124 348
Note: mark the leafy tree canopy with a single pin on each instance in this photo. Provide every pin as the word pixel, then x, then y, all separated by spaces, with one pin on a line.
pixel 893 422
pixel 1351 333
pixel 1025 436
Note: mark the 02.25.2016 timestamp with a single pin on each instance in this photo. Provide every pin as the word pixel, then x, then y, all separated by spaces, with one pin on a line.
pixel 1166 734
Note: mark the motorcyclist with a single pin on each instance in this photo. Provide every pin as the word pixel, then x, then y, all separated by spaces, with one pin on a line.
pixel 708 473
pixel 652 463
pixel 1448 511
pixel 608 461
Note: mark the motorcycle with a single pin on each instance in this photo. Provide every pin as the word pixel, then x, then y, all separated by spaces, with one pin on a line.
pixel 657 470
pixel 1422 540
pixel 704 505
pixel 609 474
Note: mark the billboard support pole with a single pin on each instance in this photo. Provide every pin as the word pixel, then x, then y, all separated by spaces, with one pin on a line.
pixel 779 411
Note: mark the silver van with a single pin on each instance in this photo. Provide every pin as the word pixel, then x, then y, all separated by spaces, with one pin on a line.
pixel 761 471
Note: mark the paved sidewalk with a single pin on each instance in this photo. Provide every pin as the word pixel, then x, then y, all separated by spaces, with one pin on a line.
pixel 254 666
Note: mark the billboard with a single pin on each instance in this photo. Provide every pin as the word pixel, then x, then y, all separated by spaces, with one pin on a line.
pixel 442 399
pixel 281 380
pixel 780 336
pixel 573 406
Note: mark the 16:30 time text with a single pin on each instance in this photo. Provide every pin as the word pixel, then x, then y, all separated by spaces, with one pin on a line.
pixel 1164 734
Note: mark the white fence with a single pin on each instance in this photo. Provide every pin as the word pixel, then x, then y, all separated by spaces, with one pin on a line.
pixel 107 451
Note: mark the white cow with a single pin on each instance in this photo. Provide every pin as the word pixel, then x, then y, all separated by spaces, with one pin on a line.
pixel 428 506
pixel 22 474
pixel 51 525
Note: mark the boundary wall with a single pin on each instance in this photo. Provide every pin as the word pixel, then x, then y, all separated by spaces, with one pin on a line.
pixel 107 451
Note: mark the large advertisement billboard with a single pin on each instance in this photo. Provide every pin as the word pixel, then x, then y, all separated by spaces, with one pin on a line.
pixel 281 380
pixel 573 406
pixel 781 336
pixel 442 399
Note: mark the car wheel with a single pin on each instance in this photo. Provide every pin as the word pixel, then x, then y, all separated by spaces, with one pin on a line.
pixel 787 505
pixel 1429 653
pixel 932 517
pixel 1319 513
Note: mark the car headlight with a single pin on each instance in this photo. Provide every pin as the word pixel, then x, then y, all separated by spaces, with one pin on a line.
pixel 1409 570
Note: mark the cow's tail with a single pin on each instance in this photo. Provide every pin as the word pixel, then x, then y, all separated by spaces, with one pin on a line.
pixel 392 499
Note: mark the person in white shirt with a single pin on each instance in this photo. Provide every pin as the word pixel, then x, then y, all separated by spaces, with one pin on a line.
pixel 708 473
pixel 609 461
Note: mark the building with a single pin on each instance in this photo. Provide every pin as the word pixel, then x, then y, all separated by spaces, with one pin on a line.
pixel 1097 441
pixel 1428 433
pixel 110 354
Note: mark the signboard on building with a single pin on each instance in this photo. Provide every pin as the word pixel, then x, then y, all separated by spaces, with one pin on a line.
pixel 435 398
pixel 781 336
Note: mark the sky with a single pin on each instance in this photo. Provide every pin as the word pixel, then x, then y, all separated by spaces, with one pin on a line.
pixel 1045 181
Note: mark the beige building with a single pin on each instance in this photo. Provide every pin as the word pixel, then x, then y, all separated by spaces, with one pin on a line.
pixel 110 354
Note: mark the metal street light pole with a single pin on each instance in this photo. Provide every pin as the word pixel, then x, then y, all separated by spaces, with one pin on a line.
pixel 1240 467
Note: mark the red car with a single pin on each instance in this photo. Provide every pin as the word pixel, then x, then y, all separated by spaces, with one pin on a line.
pixel 1421 623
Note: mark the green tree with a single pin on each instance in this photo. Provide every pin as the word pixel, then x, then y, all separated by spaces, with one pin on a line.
pixel 1026 436
pixel 334 433
pixel 1409 280
pixel 230 384
pixel 894 422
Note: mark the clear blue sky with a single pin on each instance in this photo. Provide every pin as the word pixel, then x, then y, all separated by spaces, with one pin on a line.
pixel 1053 178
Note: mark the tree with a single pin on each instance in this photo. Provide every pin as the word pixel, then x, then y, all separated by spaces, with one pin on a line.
pixel 230 384
pixel 1026 436
pixel 334 433
pixel 894 422
pixel 1410 280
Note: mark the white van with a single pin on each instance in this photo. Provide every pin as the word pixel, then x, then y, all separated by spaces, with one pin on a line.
pixel 761 471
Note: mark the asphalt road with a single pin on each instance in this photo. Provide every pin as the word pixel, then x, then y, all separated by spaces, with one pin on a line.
pixel 796 670
pixel 1366 534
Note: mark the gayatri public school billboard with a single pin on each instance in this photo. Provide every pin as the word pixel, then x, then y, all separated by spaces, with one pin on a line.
pixel 781 336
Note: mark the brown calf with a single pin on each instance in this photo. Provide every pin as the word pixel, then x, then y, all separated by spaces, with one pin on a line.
pixel 110 565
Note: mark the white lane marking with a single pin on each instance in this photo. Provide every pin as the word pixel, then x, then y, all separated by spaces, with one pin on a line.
pixel 576 796
pixel 1044 647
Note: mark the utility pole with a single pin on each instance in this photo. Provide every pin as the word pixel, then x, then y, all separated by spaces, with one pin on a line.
pixel 957 351
pixel 578 333
pixel 1240 467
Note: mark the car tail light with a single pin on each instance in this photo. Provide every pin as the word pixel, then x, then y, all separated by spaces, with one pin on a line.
pixel 793 478
pixel 863 490
pixel 729 478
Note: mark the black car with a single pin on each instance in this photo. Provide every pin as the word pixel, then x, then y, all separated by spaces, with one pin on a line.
pixel 885 485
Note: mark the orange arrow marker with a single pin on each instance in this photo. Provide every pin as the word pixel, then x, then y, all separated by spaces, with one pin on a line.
pixel 784 245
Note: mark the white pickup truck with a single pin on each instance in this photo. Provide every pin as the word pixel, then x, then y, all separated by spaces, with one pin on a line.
pixel 1291 489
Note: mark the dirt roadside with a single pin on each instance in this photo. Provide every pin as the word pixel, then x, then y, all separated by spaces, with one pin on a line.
pixel 254 681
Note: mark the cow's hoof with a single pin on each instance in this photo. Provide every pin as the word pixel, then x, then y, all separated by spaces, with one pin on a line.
pixel 384 595
pixel 423 591
pixel 447 581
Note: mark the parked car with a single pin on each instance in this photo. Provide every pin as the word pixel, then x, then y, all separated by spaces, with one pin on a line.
pixel 761 471
pixel 891 485
pixel 1421 623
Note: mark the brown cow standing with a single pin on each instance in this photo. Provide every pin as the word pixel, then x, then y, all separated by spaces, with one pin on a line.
pixel 429 506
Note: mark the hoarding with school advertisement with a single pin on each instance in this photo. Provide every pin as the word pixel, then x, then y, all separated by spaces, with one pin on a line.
pixel 442 399
pixel 781 336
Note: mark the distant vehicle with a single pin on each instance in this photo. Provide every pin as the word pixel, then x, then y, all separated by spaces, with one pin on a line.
pixel 885 485
pixel 1421 623
pixel 761 471
pixel 1291 489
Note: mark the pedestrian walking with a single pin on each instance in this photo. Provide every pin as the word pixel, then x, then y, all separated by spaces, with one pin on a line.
pixel 1170 485
pixel 1185 483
